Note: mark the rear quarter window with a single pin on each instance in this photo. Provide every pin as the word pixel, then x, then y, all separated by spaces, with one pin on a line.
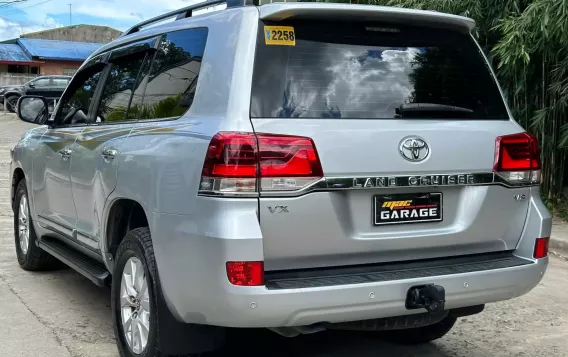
pixel 170 84
pixel 372 71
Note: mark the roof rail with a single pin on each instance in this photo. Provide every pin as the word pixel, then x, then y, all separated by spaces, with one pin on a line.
pixel 185 12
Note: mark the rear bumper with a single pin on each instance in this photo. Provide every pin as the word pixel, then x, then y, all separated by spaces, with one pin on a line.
pixel 191 264
pixel 301 307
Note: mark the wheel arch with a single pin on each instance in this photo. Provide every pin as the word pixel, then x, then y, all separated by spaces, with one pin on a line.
pixel 17 176
pixel 12 94
pixel 123 214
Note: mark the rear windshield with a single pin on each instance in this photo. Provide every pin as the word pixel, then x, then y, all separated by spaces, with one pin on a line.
pixel 371 71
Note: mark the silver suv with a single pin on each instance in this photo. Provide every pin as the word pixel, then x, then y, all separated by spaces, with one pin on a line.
pixel 294 166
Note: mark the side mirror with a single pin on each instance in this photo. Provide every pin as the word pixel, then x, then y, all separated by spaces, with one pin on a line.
pixel 32 109
pixel 31 85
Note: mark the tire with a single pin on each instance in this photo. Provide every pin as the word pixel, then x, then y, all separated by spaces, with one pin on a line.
pixel 11 103
pixel 30 256
pixel 136 247
pixel 420 335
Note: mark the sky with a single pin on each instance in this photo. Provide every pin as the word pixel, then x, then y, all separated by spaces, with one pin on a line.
pixel 36 15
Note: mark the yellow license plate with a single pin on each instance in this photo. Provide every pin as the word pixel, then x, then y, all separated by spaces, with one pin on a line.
pixel 279 35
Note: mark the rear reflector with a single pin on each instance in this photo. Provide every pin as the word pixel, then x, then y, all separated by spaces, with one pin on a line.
pixel 517 159
pixel 245 273
pixel 246 162
pixel 541 247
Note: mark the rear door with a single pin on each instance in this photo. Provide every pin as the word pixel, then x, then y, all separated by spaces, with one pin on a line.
pixel 404 120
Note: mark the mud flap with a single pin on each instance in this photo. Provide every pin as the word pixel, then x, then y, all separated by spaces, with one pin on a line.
pixel 180 338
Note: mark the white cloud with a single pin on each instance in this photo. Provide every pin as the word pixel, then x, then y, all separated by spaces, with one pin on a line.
pixel 13 29
pixel 133 10
pixel 117 13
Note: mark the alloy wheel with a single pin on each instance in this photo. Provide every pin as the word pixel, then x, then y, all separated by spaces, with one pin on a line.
pixel 135 305
pixel 24 225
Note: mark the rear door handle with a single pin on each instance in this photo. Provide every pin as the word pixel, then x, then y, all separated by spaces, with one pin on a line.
pixel 109 154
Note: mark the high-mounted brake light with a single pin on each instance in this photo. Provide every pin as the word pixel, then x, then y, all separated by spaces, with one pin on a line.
pixel 238 163
pixel 517 159
pixel 245 273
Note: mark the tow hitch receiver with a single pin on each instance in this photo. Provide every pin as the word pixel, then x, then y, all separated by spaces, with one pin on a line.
pixel 430 297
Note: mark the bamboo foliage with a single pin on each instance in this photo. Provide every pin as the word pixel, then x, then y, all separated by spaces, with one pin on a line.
pixel 527 43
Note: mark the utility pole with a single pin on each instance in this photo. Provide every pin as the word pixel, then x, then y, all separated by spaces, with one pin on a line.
pixel 70 18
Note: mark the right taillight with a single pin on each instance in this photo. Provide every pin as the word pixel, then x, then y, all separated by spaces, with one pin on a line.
pixel 541 247
pixel 517 159
pixel 240 163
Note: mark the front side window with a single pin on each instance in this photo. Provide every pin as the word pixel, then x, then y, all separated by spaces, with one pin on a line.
pixel 171 82
pixel 41 83
pixel 372 71
pixel 75 105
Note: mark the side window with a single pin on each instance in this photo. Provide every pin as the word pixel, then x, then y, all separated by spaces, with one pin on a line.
pixel 60 82
pixel 77 100
pixel 172 79
pixel 118 88
pixel 41 83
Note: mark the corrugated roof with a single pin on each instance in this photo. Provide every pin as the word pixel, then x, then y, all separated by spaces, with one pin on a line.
pixel 13 53
pixel 58 50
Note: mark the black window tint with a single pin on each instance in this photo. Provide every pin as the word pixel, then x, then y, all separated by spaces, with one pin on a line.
pixel 370 71
pixel 75 105
pixel 118 88
pixel 170 85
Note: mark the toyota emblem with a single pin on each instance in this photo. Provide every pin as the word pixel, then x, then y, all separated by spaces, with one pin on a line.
pixel 414 149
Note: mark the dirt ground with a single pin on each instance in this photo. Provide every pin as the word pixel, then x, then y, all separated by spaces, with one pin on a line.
pixel 60 313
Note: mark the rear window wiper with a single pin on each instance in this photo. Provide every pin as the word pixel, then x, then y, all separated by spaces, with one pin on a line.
pixel 431 110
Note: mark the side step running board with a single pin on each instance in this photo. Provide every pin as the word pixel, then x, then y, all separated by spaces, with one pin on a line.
pixel 84 265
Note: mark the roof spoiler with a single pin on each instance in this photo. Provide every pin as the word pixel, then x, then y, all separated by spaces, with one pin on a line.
pixel 186 12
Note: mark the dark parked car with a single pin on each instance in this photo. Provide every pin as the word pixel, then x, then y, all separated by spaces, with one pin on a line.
pixel 45 86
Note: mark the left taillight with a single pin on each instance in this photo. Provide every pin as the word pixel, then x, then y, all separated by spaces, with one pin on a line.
pixel 240 163
pixel 517 159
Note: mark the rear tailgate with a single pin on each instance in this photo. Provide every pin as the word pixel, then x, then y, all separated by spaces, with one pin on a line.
pixel 405 121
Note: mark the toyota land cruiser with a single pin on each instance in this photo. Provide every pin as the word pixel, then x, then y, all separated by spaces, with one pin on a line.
pixel 291 166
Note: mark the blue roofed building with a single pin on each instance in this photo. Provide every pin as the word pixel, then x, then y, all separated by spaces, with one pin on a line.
pixel 51 52
pixel 13 59
pixel 58 57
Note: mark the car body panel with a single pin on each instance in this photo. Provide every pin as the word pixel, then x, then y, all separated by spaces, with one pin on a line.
pixel 370 148
pixel 94 177
pixel 52 182
pixel 218 302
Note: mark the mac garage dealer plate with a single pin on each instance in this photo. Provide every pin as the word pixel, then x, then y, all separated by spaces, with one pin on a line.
pixel 407 208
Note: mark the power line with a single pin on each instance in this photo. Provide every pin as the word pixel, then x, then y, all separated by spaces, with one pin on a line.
pixel 8 3
pixel 25 7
